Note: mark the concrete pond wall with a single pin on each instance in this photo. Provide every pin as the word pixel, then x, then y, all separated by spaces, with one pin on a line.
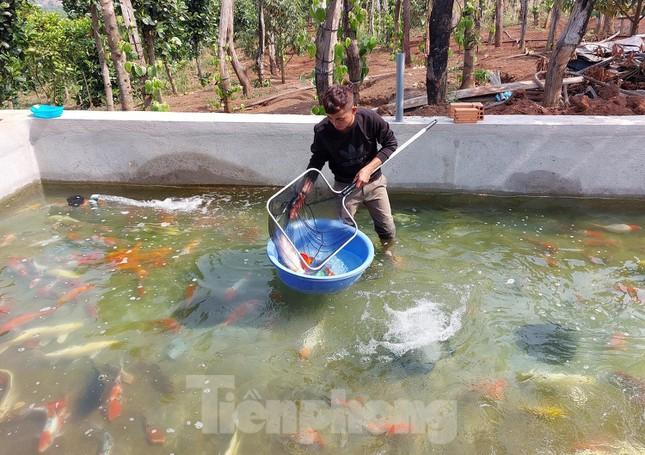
pixel 537 155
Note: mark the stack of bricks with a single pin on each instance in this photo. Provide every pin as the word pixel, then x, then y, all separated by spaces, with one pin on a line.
pixel 466 112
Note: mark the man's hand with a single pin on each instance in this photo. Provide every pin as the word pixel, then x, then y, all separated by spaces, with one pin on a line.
pixel 300 199
pixel 365 174
pixel 362 177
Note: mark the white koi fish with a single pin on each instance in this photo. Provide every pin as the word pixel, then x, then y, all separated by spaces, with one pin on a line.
pixel 288 254
pixel 60 331
pixel 82 349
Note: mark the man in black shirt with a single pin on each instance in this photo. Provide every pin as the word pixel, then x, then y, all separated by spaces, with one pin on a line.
pixel 348 138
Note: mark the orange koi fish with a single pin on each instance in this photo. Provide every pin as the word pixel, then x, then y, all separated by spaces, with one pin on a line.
pixel 240 311
pixel 57 413
pixel 7 240
pixel 492 389
pixel 113 406
pixel 24 319
pixel 231 293
pixel 389 428
pixel 308 437
pixel 74 293
pixel 600 242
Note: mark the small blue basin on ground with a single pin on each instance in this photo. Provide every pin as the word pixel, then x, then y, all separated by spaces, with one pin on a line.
pixel 46 110
pixel 351 261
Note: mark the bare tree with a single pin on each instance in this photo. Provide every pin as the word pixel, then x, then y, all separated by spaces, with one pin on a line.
pixel 105 71
pixel 259 59
pixel 325 42
pixel 437 64
pixel 638 13
pixel 565 48
pixel 240 70
pixel 114 39
pixel 470 43
pixel 224 77
pixel 406 33
pixel 499 22
pixel 353 59
pixel 524 16
pixel 553 26
pixel 130 21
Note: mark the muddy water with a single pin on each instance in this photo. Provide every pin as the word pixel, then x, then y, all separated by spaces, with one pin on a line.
pixel 514 324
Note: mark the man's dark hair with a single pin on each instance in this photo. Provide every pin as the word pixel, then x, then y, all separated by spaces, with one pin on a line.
pixel 337 98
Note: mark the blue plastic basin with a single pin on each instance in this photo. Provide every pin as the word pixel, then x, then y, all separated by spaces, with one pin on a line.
pixel 355 257
pixel 46 110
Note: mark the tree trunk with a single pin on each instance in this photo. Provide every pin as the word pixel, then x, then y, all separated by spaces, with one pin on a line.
pixel 370 12
pixel 397 15
pixel 114 38
pixel 499 22
pixel 608 27
pixel 130 22
pixel 259 58
pixel 353 59
pixel 384 12
pixel 225 79
pixel 437 67
pixel 565 48
pixel 325 42
pixel 639 13
pixel 406 33
pixel 282 67
pixel 239 69
pixel 470 42
pixel 428 10
pixel 546 19
pixel 149 44
pixel 555 18
pixel 105 71
pixel 200 73
pixel 273 66
pixel 170 79
pixel 524 10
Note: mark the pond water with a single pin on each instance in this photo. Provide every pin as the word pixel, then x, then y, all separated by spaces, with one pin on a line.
pixel 512 325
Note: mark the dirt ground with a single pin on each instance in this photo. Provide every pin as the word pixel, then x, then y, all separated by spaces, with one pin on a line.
pixel 379 88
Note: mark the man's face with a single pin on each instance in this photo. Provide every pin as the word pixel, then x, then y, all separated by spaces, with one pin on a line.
pixel 343 119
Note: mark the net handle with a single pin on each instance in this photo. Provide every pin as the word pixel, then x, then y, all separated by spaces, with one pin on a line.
pixel 351 187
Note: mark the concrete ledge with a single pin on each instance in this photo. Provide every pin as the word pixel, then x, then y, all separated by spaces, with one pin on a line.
pixel 18 166
pixel 559 155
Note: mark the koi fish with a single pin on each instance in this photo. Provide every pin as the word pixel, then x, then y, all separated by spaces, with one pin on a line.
pixel 6 393
pixel 635 293
pixel 389 428
pixel 18 267
pixel 57 413
pixel 154 435
pixel 190 247
pixel 601 242
pixel 113 405
pixel 107 444
pixel 549 413
pixel 234 444
pixel 619 228
pixel 63 219
pixel 312 338
pixel 62 273
pixel 231 293
pixel 7 240
pixel 240 311
pixel 82 349
pixel 74 293
pixel 309 437
pixel 492 389
pixel 23 319
pixel 61 331
pixel 618 341
pixel 288 254
pixel 548 246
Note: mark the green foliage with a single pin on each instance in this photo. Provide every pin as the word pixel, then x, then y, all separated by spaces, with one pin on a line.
pixel 466 22
pixel 12 79
pixel 318 110
pixel 481 76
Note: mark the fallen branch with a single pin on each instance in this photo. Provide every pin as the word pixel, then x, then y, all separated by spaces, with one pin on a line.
pixel 621 90
pixel 279 95
pixel 510 37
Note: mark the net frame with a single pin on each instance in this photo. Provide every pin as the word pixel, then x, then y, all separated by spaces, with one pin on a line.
pixel 275 221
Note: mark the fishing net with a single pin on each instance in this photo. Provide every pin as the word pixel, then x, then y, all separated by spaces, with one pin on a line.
pixel 309 224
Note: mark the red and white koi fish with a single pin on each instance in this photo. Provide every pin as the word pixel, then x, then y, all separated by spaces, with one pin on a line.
pixel 57 413
pixel 619 228
pixel 23 319
pixel 18 266
pixel 231 293
pixel 240 311
pixel 309 437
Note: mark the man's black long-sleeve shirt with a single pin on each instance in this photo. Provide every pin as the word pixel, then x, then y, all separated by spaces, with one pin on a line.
pixel 350 151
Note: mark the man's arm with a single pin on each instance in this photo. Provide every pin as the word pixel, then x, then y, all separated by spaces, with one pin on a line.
pixel 385 136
